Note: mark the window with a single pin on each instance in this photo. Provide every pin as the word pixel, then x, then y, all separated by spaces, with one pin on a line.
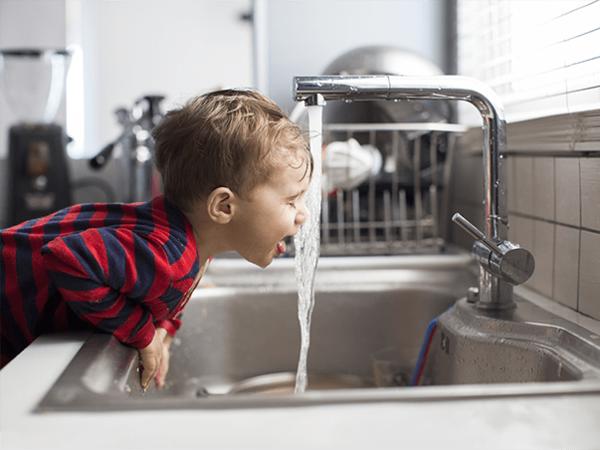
pixel 541 57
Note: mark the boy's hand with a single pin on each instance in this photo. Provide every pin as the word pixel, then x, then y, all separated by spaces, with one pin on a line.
pixel 155 358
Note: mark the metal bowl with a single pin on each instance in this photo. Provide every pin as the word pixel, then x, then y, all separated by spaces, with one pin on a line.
pixel 384 60
pixel 285 382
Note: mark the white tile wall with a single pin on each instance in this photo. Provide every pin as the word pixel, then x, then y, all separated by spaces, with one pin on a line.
pixel 521 231
pixel 589 274
pixel 543 252
pixel 568 198
pixel 590 193
pixel 561 227
pixel 523 185
pixel 543 188
pixel 566 265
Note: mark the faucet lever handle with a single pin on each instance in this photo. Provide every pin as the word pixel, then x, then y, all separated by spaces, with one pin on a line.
pixel 503 259
pixel 477 234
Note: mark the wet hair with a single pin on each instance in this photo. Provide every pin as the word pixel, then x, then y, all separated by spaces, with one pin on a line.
pixel 230 138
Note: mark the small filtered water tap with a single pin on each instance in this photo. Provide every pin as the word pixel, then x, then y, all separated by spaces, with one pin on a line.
pixel 495 289
pixel 503 259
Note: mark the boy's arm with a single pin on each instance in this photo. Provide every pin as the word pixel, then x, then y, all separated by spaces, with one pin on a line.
pixel 106 275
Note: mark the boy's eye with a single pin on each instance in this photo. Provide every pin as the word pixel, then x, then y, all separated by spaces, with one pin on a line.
pixel 293 205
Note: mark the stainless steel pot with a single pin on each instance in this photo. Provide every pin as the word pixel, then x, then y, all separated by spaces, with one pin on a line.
pixel 384 60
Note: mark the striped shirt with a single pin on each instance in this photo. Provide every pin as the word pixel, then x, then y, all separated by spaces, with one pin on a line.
pixel 116 268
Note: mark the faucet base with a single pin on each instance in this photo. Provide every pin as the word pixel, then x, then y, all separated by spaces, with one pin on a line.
pixel 494 294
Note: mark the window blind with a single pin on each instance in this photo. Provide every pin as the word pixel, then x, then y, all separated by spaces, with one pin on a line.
pixel 541 57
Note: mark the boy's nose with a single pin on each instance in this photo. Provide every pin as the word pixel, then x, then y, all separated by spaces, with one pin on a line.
pixel 302 214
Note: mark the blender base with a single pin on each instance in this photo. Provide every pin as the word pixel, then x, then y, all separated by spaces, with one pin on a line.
pixel 38 172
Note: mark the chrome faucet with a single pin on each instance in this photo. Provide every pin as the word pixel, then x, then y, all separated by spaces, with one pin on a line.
pixel 502 264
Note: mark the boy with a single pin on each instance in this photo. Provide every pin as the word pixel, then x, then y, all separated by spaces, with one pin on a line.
pixel 235 170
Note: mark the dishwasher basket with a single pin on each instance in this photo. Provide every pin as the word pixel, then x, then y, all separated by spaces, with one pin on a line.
pixel 398 210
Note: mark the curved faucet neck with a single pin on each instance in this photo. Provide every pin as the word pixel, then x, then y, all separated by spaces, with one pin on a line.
pixel 493 292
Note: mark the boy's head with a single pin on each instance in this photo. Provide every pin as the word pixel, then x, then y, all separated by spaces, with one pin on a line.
pixel 230 138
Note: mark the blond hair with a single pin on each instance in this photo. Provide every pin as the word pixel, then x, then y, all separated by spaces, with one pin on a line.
pixel 230 138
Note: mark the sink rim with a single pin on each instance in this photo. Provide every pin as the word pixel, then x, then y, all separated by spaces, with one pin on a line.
pixel 102 402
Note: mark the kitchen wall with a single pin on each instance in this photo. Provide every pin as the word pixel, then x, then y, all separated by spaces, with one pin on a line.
pixel 42 25
pixel 175 48
pixel 554 155
pixel 304 37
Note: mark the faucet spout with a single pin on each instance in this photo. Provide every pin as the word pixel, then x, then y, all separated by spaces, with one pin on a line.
pixel 494 293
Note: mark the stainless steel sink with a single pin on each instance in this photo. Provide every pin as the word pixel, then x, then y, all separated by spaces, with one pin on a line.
pixel 235 336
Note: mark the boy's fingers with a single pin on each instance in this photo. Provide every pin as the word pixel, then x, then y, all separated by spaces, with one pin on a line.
pixel 150 357
pixel 160 378
pixel 144 380
pixel 155 359
pixel 149 371
pixel 147 376
pixel 163 369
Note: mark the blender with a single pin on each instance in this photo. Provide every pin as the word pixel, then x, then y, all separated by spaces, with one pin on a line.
pixel 33 83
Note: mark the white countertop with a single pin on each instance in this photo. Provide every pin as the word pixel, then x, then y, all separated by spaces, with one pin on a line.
pixel 559 421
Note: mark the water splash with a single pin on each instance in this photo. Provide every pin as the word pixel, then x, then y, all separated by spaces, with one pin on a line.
pixel 307 243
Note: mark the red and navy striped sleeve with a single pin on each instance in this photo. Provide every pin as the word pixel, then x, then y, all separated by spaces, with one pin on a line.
pixel 106 275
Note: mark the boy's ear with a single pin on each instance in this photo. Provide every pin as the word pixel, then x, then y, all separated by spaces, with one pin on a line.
pixel 220 205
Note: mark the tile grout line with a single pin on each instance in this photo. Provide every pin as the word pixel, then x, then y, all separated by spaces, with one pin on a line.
pixel 541 219
pixel 580 235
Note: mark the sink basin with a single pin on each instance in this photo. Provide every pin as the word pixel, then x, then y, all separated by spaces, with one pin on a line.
pixel 239 346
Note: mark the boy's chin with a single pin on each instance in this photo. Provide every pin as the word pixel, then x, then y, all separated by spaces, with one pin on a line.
pixel 263 262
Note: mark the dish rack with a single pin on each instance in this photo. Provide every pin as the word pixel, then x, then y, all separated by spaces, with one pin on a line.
pixel 398 210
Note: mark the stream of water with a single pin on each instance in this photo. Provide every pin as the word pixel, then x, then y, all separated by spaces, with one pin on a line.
pixel 306 243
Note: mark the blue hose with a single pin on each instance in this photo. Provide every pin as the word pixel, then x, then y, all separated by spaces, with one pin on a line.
pixel 416 377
